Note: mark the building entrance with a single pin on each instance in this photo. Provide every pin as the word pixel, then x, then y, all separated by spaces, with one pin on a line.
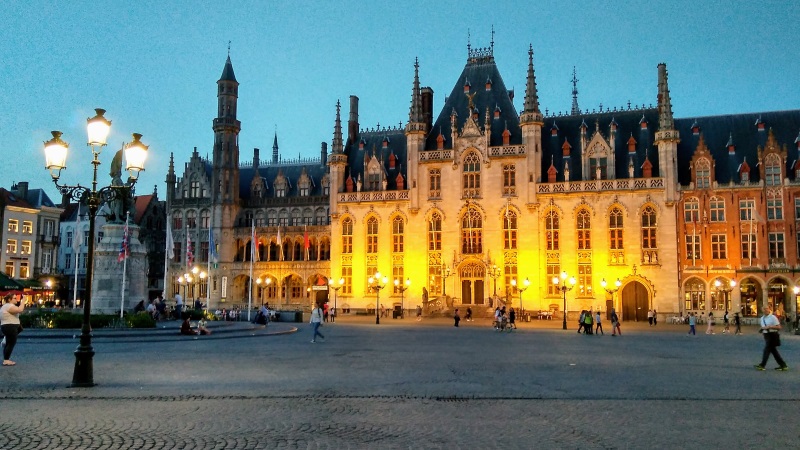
pixel 635 302
pixel 472 284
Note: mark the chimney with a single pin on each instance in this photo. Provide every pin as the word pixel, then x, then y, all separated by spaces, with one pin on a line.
pixel 323 153
pixel 65 198
pixel 22 189
pixel 352 122
pixel 427 106
pixel 255 159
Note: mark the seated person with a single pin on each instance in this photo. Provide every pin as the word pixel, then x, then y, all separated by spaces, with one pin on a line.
pixel 201 327
pixel 186 328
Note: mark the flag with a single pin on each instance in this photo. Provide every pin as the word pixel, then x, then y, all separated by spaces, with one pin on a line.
pixel 124 250
pixel 280 244
pixel 189 254
pixel 306 242
pixel 212 247
pixel 253 243
pixel 76 243
pixel 170 247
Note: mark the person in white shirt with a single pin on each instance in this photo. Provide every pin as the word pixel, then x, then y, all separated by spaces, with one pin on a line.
pixel 316 322
pixel 9 323
pixel 770 328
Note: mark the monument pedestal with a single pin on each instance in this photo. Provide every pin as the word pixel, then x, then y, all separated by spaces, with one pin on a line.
pixel 107 275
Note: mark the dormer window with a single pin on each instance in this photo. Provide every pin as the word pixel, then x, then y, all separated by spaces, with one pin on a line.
pixel 745 176
pixel 702 174
pixel 598 168
pixel 772 170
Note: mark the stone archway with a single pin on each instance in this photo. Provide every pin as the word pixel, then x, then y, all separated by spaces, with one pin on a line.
pixel 751 296
pixel 778 296
pixel 635 302
pixel 472 276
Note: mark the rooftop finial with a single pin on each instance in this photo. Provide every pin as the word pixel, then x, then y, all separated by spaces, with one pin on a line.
pixel 229 49
pixel 492 41
pixel 575 109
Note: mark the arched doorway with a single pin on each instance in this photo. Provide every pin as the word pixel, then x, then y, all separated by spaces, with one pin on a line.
pixel 472 283
pixel 635 301
pixel 778 296
pixel 750 292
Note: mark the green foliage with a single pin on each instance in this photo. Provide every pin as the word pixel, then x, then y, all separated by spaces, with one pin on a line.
pixel 66 319
pixel 140 320
pixel 102 320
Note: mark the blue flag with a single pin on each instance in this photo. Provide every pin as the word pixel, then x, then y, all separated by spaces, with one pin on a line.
pixel 212 247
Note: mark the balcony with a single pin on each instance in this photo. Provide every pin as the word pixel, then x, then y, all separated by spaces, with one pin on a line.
pixel 627 184
pixel 49 239
pixel 372 196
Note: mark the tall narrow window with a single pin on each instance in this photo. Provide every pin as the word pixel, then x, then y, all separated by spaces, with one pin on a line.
pixel 693 247
pixel 776 246
pixel 472 232
pixel 205 219
pixel 719 246
pixel 691 210
pixel 435 187
pixel 509 179
pixel 717 206
pixel 797 208
pixel 552 230
pixel 347 236
pixel 583 224
pixel 372 235
pixel 703 174
pixel 748 246
pixel 598 168
pixel 510 230
pixel 772 170
pixel 177 221
pixel 194 189
pixel 398 228
pixel 615 236
pixel 191 219
pixel 472 176
pixel 347 274
pixel 649 228
pixel 553 270
pixel 435 232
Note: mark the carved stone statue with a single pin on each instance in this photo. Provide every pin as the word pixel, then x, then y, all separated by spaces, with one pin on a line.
pixel 117 206
pixel 425 299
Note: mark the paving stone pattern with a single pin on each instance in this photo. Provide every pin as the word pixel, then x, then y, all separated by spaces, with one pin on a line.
pixel 403 384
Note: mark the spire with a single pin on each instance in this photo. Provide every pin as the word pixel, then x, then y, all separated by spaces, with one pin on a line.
pixel 227 72
pixel 337 130
pixel 575 109
pixel 275 148
pixel 665 120
pixel 171 170
pixel 415 113
pixel 531 96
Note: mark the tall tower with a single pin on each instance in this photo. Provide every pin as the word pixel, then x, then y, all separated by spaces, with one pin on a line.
pixel 667 137
pixel 225 170
pixel 416 130
pixel 531 122
pixel 337 163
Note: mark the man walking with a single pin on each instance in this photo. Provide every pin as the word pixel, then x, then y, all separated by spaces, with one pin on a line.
pixel 599 324
pixel 316 322
pixel 692 323
pixel 770 328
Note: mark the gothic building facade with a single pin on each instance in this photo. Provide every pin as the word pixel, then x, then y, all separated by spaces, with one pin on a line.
pixel 227 217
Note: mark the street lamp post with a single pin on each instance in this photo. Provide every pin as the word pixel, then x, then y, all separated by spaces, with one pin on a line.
pixel 258 290
pixel 796 291
pixel 521 289
pixel 724 290
pixel 561 285
pixel 56 151
pixel 335 295
pixel 375 284
pixel 494 272
pixel 402 288
pixel 445 275
pixel 617 284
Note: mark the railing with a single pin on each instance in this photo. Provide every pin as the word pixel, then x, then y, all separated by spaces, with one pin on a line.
pixel 372 196
pixel 600 185
pixel 511 150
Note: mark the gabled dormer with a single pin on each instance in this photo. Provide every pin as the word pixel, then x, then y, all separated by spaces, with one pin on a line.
pixel 702 166
pixel 771 159
pixel 744 171
pixel 552 172
pixel 598 158
pixel 258 187
pixel 281 185
pixel 304 184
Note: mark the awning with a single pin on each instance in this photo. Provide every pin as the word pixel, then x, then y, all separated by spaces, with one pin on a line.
pixel 7 284
pixel 31 285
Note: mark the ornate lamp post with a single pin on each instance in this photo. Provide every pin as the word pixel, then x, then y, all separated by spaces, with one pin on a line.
pixel 724 291
pixel 335 293
pixel 617 284
pixel 375 285
pixel 520 289
pixel 56 151
pixel 494 272
pixel 402 289
pixel 445 275
pixel 258 290
pixel 561 285
pixel 796 291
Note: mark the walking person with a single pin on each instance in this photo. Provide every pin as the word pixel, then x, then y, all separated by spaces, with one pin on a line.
pixel 599 324
pixel 726 321
pixel 692 323
pixel 580 320
pixel 770 328
pixel 737 322
pixel 456 318
pixel 468 317
pixel 512 319
pixel 316 322
pixel 615 323
pixel 419 313
pixel 655 317
pixel 587 322
pixel 710 328
pixel 650 317
pixel 9 324
pixel 498 316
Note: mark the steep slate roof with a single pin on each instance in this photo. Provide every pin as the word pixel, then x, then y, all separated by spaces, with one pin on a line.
pixel 38 198
pixel 716 131
pixel 477 72
pixel 10 199
pixel 374 139
pixel 291 171
pixel 140 207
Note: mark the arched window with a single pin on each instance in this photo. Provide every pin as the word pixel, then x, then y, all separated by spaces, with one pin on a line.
pixel 552 229
pixel 471 232
pixel 772 170
pixel 649 245
pixel 615 228
pixel 510 230
pixel 177 220
pixel 372 235
pixel 702 174
pixel 472 176
pixel 347 236
pixel 435 232
pixel 584 226
pixel 320 217
pixel 205 219
pixel 398 228
pixel 191 219
pixel 717 207
pixel 695 295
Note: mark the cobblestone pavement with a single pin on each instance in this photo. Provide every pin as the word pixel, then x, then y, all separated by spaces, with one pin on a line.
pixel 405 384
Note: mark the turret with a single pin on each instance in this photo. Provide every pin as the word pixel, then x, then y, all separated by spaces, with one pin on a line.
pixel 275 149
pixel 416 130
pixel 667 137
pixel 531 121
pixel 337 162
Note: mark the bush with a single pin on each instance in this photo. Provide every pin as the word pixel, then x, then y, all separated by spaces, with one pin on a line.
pixel 102 320
pixel 66 319
pixel 140 320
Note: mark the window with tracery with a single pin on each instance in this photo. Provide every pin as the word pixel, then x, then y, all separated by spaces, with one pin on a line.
pixel 398 228
pixel 347 235
pixel 509 179
pixel 205 219
pixel 552 229
pixel 472 176
pixel 615 229
pixel 702 174
pixel 510 230
pixel 583 224
pixel 772 170
pixel 191 219
pixel 471 232
pixel 435 187
pixel 372 235
pixel 435 232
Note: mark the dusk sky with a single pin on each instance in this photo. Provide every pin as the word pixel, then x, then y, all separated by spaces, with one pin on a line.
pixel 153 65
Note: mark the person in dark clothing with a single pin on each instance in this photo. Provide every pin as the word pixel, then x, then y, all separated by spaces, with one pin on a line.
pixel 456 318
pixel 512 317
pixel 186 328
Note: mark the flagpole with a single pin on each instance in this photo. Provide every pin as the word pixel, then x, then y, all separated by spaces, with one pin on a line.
pixel 753 247
pixel 76 246
pixel 124 264
pixel 208 266
pixel 166 257
pixel 252 252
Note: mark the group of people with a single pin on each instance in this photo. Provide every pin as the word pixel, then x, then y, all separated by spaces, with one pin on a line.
pixel 201 329
pixel 652 317
pixel 590 322
pixel 504 320
pixel 711 322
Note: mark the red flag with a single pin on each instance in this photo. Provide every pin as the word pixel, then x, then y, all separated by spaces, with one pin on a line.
pixel 306 242
pixel 124 249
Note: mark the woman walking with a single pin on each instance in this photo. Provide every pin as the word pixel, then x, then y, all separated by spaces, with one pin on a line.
pixel 316 322
pixel 9 323
pixel 710 328
pixel 615 323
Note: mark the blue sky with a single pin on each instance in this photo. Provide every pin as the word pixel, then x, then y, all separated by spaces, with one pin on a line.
pixel 153 65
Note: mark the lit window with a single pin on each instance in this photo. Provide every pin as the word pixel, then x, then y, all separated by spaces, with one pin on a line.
pixel 398 227
pixel 510 230
pixel 472 232
pixel 11 246
pixel 509 179
pixel 695 295
pixel 472 176
pixel 552 230
pixel 717 205
pixel 435 232
pixel 27 227
pixel 372 235
pixel 25 248
pixel 584 227
pixel 13 225
pixel 347 236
